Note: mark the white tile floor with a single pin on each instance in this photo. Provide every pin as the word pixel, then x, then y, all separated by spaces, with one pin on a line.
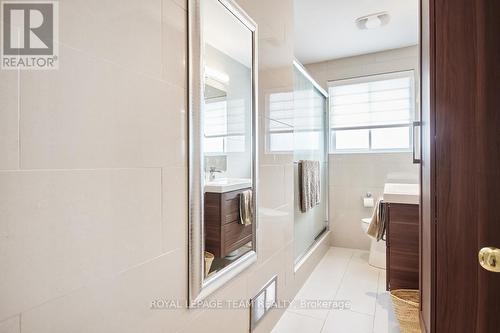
pixel 342 275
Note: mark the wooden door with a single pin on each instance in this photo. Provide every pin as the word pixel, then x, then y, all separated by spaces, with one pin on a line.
pixel 461 169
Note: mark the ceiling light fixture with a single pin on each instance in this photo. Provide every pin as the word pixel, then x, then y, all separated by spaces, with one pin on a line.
pixel 373 21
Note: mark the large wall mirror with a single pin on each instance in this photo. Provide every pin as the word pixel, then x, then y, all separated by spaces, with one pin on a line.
pixel 222 144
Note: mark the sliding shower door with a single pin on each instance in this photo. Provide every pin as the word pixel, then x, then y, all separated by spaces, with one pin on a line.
pixel 310 143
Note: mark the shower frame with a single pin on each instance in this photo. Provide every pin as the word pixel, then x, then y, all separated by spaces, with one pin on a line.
pixel 302 258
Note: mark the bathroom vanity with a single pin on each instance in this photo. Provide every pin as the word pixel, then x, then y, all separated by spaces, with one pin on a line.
pixel 223 231
pixel 402 251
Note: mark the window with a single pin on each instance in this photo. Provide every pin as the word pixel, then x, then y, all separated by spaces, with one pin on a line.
pixel 280 120
pixel 372 113
pixel 224 131
pixel 295 120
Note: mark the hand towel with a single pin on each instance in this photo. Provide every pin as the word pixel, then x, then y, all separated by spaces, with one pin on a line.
pixel 246 207
pixel 309 184
pixel 377 226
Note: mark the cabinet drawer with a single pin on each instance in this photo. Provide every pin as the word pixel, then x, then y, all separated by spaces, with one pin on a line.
pixel 404 261
pixel 403 246
pixel 403 280
pixel 232 210
pixel 236 235
pixel 230 206
pixel 404 237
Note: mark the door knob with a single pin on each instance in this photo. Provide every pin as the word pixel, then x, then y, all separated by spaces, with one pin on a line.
pixel 489 259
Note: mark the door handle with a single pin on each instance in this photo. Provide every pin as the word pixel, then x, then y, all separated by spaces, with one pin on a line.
pixel 489 259
pixel 416 141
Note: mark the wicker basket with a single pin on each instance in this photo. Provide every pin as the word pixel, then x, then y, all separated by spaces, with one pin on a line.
pixel 406 307
pixel 209 257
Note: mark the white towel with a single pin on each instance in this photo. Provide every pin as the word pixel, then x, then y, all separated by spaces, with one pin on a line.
pixel 309 185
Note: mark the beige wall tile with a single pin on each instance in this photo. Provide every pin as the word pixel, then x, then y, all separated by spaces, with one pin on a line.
pixel 88 249
pixel 275 229
pixel 264 270
pixel 174 42
pixel 182 3
pixel 175 212
pixel 9 143
pixel 62 229
pixel 223 317
pixel 11 325
pixel 119 304
pixel 220 321
pixel 351 177
pixel 271 185
pixel 125 32
pixel 93 114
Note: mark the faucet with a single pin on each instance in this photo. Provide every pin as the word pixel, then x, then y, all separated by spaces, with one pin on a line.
pixel 212 171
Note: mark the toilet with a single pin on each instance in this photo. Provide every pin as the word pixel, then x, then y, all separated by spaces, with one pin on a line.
pixel 377 249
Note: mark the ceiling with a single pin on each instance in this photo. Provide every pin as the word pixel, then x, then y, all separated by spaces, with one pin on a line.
pixel 226 33
pixel 326 29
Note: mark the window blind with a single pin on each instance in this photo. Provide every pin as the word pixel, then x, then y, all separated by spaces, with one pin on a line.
pixel 385 100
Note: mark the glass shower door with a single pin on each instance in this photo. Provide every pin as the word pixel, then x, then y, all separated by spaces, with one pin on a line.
pixel 310 143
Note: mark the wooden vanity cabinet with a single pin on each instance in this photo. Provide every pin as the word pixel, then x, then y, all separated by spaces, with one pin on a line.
pixel 402 251
pixel 223 231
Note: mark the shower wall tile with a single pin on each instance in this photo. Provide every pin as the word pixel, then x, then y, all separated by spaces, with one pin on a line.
pixel 93 114
pixel 60 230
pixel 9 143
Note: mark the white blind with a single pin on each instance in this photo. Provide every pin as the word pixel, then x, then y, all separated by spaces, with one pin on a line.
pixel 295 120
pixel 224 118
pixel 216 118
pixel 309 110
pixel 281 112
pixel 372 101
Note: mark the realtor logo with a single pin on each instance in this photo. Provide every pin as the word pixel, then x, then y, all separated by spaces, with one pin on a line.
pixel 29 35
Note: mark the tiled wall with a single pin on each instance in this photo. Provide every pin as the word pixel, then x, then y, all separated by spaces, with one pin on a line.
pixel 353 175
pixel 93 210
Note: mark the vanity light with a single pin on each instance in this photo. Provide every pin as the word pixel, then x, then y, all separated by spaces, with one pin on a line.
pixel 373 21
pixel 216 75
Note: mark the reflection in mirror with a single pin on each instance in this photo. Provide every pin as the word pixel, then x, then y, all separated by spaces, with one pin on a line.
pixel 228 208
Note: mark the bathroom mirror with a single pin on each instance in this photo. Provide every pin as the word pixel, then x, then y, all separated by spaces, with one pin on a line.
pixel 222 144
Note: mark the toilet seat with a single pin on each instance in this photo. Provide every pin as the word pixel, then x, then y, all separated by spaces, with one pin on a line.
pixel 365 223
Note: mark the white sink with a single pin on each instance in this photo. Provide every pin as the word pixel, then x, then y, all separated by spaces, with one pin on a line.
pixel 222 185
pixel 402 193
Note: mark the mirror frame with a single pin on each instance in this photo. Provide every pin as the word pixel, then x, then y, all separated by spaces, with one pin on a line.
pixel 200 287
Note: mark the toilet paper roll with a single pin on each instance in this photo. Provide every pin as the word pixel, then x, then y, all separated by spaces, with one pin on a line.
pixel 368 202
